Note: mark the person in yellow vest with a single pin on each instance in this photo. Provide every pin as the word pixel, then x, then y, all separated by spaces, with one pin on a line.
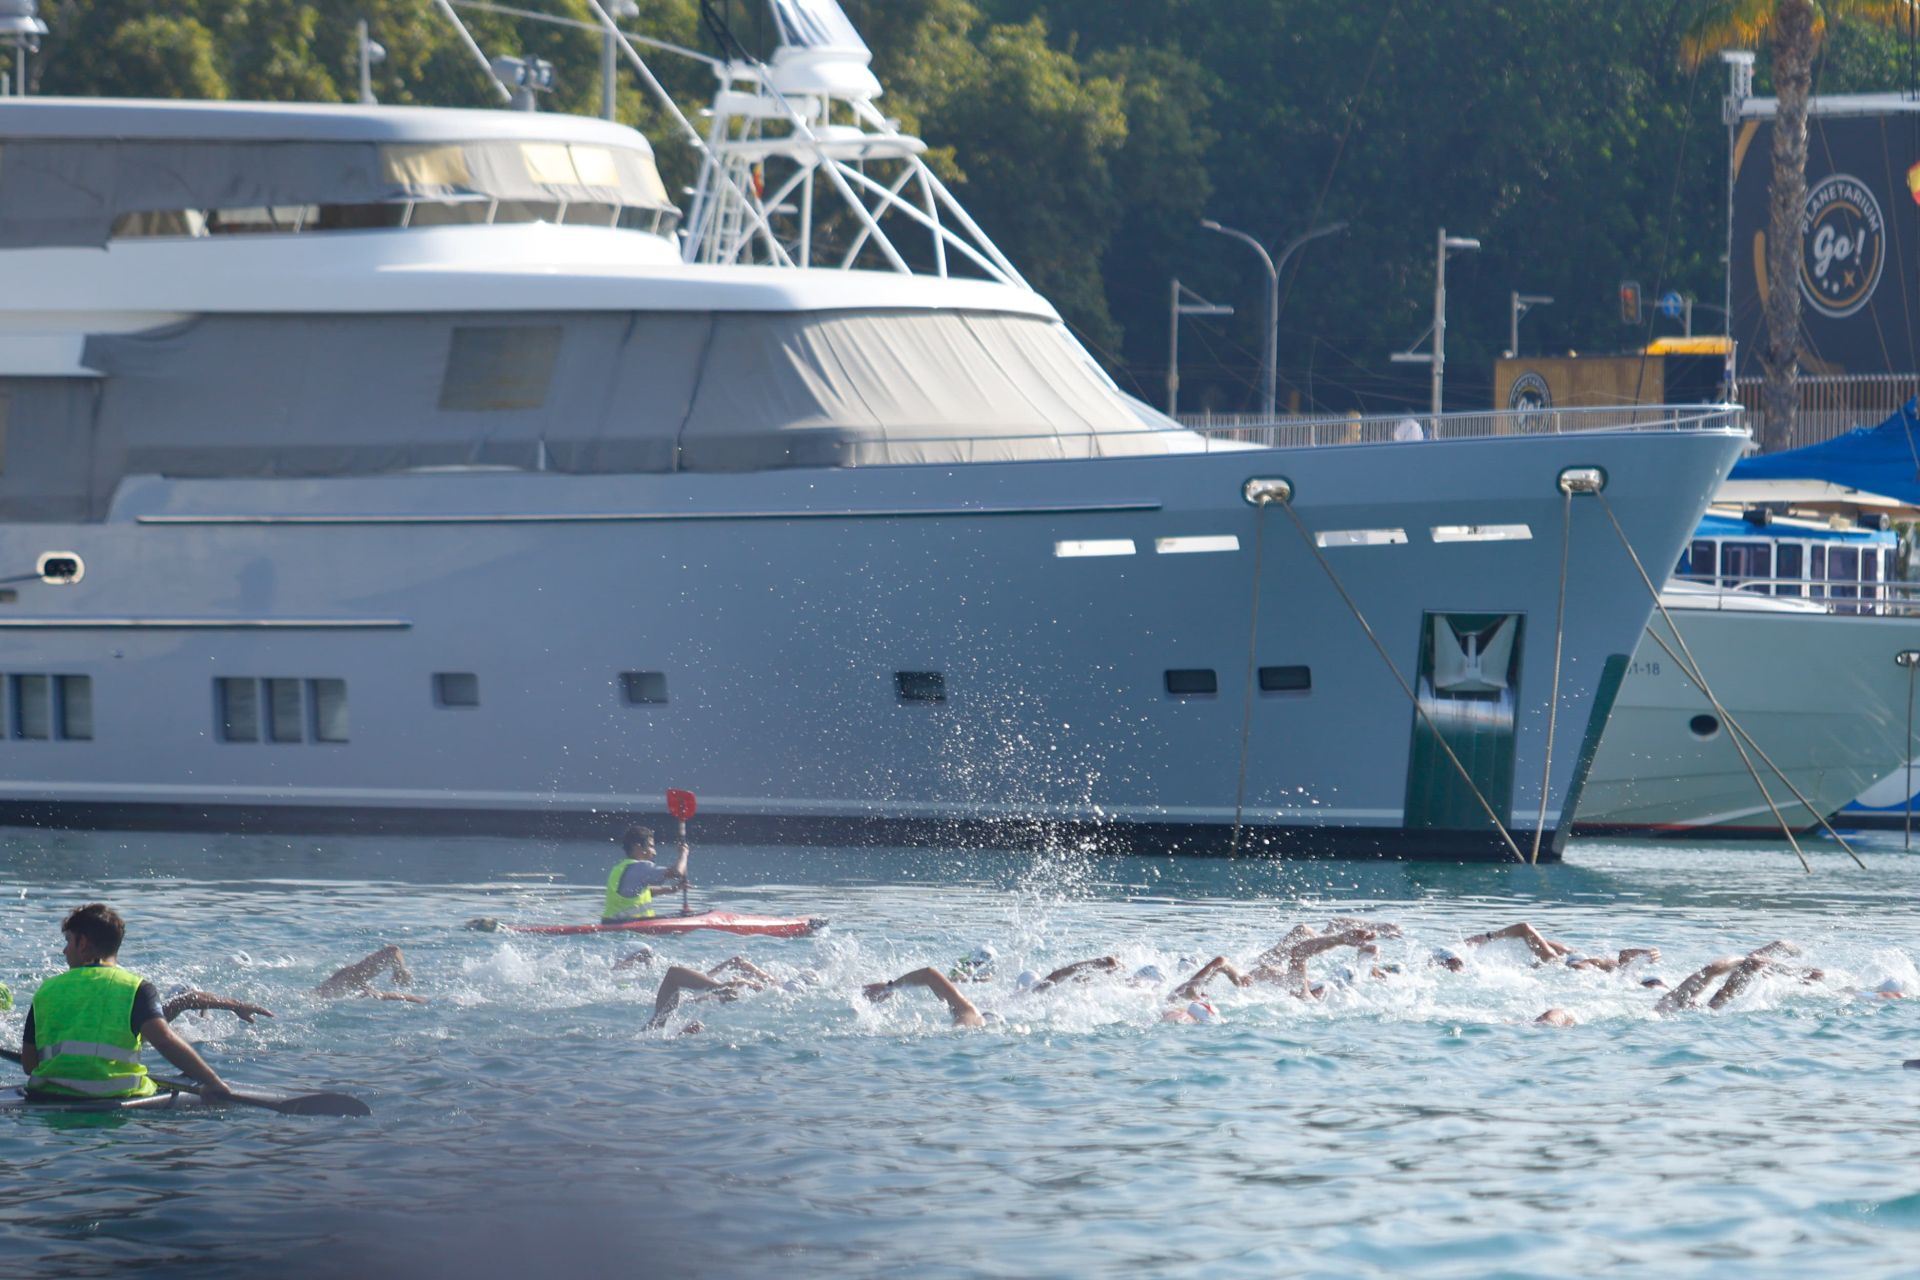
pixel 86 1026
pixel 631 883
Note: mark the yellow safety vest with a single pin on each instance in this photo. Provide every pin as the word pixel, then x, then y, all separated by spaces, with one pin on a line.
pixel 81 1032
pixel 618 907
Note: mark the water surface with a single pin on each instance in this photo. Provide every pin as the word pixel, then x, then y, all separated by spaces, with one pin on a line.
pixel 1416 1126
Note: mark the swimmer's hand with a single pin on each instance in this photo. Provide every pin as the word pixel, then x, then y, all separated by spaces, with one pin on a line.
pixel 248 1012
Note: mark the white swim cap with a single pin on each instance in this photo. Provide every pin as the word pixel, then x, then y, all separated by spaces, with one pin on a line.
pixel 1446 955
pixel 1147 974
pixel 1201 1011
pixel 1027 980
pixel 1892 987
pixel 242 958
pixel 984 954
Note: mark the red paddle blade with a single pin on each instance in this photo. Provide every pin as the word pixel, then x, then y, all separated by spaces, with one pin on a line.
pixel 680 804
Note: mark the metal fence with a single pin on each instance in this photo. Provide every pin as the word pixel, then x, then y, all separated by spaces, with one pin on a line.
pixel 1833 406
pixel 1284 431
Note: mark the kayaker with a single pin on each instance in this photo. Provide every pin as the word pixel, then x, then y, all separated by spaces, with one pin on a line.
pixel 94 1019
pixel 631 883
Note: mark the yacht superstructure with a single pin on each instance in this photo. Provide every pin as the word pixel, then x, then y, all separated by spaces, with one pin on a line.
pixel 385 466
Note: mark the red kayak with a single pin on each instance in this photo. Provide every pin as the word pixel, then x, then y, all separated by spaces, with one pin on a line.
pixel 720 921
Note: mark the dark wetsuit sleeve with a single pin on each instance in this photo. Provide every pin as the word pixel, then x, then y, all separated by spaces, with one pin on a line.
pixel 146 1006
pixel 26 1032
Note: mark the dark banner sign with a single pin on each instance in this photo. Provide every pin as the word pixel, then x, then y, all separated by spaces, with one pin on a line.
pixel 1859 234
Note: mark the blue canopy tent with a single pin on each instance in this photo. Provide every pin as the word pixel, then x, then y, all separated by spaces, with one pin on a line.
pixel 1882 460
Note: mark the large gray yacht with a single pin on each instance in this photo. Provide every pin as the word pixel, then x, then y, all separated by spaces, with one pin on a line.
pixel 386 467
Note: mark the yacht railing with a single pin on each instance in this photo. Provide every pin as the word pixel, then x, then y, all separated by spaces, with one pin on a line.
pixel 1296 432
pixel 1846 598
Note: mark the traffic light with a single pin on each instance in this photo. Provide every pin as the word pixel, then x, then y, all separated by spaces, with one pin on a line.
pixel 1629 302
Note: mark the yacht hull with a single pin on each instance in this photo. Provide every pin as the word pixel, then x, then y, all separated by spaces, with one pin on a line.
pixel 877 654
pixel 1821 694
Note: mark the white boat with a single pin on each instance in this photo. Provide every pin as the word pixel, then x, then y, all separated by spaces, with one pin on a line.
pixel 386 467
pixel 1820 690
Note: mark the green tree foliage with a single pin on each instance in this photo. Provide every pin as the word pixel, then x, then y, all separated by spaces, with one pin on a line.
pixel 1090 137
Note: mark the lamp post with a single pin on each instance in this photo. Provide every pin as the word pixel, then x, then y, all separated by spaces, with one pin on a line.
pixel 1181 307
pixel 371 53
pixel 1270 369
pixel 1437 357
pixel 1518 307
pixel 619 9
pixel 21 27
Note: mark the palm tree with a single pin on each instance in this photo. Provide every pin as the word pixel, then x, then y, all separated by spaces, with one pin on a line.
pixel 1793 30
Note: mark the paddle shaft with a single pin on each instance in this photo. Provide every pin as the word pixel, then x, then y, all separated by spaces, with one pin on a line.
pixel 685 908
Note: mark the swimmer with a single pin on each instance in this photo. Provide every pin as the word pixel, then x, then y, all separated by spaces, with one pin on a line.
pixel 1196 1011
pixel 357 978
pixel 1739 972
pixel 1078 971
pixel 681 982
pixel 965 1012
pixel 975 966
pixel 1548 951
pixel 1556 1018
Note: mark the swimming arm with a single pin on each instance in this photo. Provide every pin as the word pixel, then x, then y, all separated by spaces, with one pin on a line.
pixel 965 1012
pixel 181 1054
pixel 189 1001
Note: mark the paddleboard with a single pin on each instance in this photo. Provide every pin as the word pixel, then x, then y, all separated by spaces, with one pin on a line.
pixel 16 1098
pixel 720 921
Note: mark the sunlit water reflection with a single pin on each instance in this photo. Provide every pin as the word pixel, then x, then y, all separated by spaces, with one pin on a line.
pixel 1421 1125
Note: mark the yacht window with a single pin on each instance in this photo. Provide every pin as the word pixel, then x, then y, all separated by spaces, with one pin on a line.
pixel 159 223
pixel 329 709
pixel 74 699
pixel 643 688
pixel 450 213
pixel 286 712
pixel 239 708
pixel 6 412
pixel 456 689
pixel 1361 538
pixel 592 215
pixel 1870 573
pixel 1743 561
pixel 1787 566
pixel 358 217
pixel 1817 571
pixel 1843 571
pixel 499 367
pixel 32 717
pixel 1286 679
pixel 1701 558
pixel 1191 682
pixel 527 211
pixel 260 219
pixel 920 686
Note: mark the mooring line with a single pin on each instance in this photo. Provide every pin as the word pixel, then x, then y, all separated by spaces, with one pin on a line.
pixel 1253 637
pixel 1285 500
pixel 1699 679
pixel 1765 759
pixel 1553 702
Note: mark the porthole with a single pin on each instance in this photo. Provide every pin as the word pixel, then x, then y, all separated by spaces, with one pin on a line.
pixel 1704 727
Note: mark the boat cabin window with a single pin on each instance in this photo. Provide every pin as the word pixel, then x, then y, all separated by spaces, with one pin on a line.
pixel 1741 562
pixel 1788 567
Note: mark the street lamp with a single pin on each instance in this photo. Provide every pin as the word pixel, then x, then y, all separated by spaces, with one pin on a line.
pixel 1199 306
pixel 1437 358
pixel 372 52
pixel 1520 305
pixel 1270 369
pixel 21 27
pixel 618 10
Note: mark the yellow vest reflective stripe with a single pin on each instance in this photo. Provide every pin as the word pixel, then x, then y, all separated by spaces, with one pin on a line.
pixel 618 906
pixel 82 1016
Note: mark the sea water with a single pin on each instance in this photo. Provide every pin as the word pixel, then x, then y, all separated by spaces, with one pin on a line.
pixel 527 1121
